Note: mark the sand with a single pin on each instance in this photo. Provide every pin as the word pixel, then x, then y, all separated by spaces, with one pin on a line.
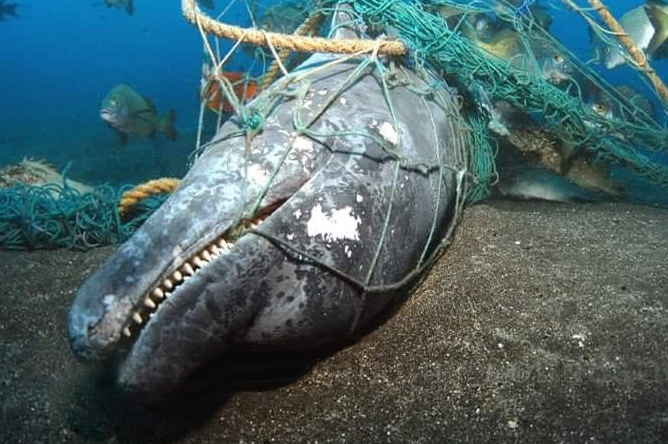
pixel 542 323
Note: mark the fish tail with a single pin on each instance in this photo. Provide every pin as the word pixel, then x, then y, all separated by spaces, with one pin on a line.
pixel 166 125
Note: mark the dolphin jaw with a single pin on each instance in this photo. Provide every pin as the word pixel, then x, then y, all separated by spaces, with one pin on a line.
pixel 175 278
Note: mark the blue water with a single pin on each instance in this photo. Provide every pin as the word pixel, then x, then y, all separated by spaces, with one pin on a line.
pixel 60 58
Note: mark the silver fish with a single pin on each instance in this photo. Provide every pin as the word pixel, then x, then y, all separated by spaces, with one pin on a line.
pixel 542 184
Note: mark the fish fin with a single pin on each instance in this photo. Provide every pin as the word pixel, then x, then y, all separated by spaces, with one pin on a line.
pixel 166 125
pixel 121 136
pixel 149 104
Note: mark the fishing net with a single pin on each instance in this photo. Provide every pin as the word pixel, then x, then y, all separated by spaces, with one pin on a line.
pixel 441 37
pixel 59 216
pixel 517 95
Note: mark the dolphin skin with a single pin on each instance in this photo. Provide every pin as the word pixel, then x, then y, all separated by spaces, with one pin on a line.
pixel 211 269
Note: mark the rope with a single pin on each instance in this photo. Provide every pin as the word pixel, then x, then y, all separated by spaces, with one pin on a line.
pixel 140 192
pixel 195 17
pixel 308 27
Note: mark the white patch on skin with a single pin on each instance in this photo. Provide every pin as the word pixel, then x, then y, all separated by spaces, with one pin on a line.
pixel 340 225
pixel 257 175
pixel 298 213
pixel 348 251
pixel 290 236
pixel 302 143
pixel 358 198
pixel 389 133
pixel 343 101
pixel 323 92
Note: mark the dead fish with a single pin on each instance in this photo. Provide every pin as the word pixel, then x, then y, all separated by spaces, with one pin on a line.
pixel 125 4
pixel 131 114
pixel 647 25
pixel 543 184
pixel 8 9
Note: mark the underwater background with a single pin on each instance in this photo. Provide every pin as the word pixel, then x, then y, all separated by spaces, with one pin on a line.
pixel 542 322
pixel 59 59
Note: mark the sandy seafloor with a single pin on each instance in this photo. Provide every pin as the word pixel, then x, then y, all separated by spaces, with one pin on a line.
pixel 542 323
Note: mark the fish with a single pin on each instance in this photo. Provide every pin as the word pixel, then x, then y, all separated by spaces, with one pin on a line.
pixel 8 9
pixel 506 45
pixel 592 176
pixel 210 93
pixel 235 273
pixel 607 107
pixel 646 25
pixel 543 184
pixel 125 4
pixel 657 11
pixel 132 115
pixel 554 66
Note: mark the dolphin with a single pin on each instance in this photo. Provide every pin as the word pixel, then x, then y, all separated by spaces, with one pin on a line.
pixel 288 239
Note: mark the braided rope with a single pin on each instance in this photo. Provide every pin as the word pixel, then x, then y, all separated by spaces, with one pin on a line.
pixel 308 27
pixel 195 17
pixel 132 197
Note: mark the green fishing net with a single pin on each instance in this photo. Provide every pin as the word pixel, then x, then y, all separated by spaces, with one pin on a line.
pixel 448 49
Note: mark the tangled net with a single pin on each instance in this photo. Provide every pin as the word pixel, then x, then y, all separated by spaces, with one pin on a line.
pixel 435 49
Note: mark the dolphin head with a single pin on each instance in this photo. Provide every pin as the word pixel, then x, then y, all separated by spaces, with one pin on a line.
pixel 236 254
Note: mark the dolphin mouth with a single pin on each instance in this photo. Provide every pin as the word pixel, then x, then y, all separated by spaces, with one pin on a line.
pixel 174 280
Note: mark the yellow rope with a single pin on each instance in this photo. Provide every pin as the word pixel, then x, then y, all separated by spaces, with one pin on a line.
pixel 195 17
pixel 308 27
pixel 157 186
pixel 627 43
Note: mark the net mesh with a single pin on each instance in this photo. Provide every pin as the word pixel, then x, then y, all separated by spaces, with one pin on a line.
pixel 511 85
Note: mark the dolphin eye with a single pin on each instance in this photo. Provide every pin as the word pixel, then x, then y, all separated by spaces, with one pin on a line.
pixel 558 58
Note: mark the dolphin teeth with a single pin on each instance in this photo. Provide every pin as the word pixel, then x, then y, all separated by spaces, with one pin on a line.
pixel 214 250
pixel 158 293
pixel 137 318
pixel 167 284
pixel 199 262
pixel 188 269
pixel 149 303
pixel 177 276
pixel 206 256
pixel 222 243
pixel 126 331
